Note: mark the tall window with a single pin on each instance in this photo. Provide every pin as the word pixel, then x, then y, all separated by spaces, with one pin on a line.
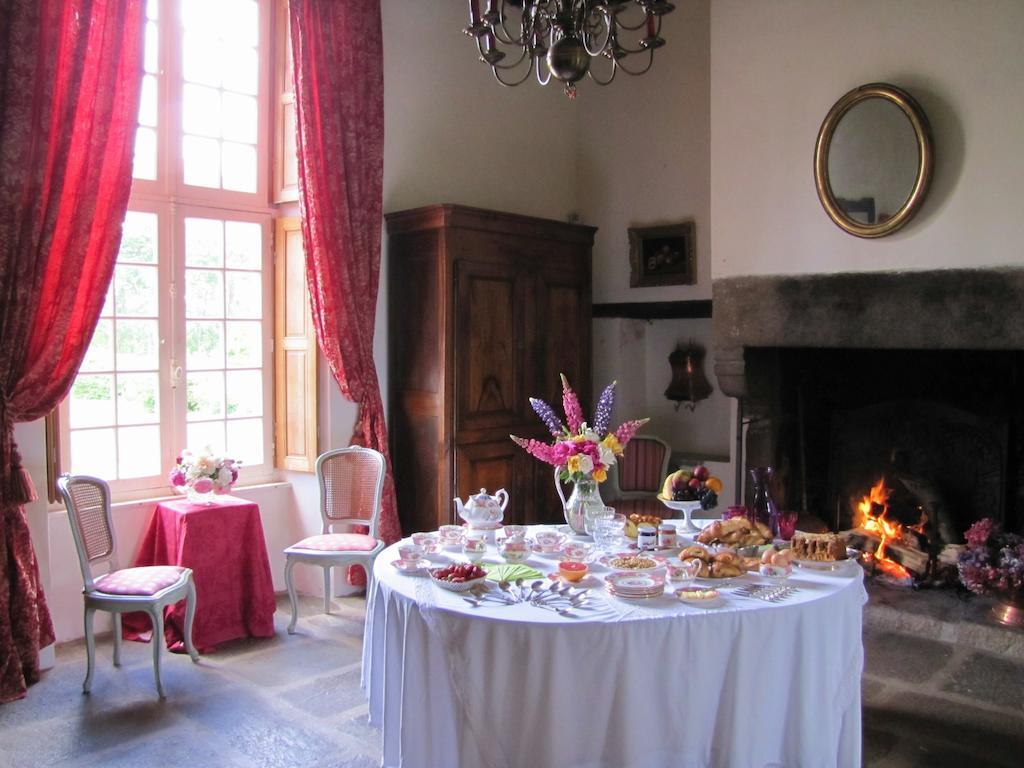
pixel 182 353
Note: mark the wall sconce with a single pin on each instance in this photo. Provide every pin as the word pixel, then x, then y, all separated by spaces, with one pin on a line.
pixel 688 384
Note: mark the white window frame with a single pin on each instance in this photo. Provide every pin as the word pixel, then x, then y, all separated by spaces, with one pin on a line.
pixel 173 201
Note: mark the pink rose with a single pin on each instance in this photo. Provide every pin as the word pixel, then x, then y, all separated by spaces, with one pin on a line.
pixel 177 477
pixel 202 485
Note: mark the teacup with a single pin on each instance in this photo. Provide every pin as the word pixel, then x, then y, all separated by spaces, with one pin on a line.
pixel 549 541
pixel 682 570
pixel 514 549
pixel 474 548
pixel 512 531
pixel 451 536
pixel 576 551
pixel 410 552
pixel 429 542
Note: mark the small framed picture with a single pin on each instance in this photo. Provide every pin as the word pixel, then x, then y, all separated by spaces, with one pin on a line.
pixel 662 255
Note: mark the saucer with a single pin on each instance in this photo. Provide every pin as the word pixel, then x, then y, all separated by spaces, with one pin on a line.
pixel 587 582
pixel 411 566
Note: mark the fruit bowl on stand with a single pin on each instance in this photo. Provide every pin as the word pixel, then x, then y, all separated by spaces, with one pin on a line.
pixel 687 508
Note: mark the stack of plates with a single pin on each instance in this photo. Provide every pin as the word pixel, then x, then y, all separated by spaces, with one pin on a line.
pixel 635 586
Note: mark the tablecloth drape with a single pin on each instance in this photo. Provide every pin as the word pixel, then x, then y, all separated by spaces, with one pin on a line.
pixel 223 545
pixel 744 686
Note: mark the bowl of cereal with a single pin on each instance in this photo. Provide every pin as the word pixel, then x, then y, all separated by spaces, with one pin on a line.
pixel 630 562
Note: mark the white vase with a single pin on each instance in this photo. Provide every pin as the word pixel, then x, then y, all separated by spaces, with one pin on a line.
pixel 197 497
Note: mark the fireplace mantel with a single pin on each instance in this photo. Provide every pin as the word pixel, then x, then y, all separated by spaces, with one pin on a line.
pixel 939 309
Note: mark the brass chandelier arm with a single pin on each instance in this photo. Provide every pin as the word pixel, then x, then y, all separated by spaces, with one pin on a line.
pixel 650 63
pixel 596 79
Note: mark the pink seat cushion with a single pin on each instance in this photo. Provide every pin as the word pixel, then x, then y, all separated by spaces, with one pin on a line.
pixel 338 542
pixel 146 580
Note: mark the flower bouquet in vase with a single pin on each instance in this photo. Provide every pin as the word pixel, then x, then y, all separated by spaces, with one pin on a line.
pixel 993 564
pixel 581 453
pixel 201 474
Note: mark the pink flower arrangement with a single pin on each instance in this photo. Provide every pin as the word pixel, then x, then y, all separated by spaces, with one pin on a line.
pixel 203 472
pixel 581 451
pixel 993 560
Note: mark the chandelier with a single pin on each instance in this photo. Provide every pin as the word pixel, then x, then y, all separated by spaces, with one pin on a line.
pixel 558 38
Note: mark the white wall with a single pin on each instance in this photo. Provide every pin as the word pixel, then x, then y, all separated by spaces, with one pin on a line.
pixel 776 69
pixel 644 147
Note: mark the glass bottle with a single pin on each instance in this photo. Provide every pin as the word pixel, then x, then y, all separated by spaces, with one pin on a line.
pixel 764 509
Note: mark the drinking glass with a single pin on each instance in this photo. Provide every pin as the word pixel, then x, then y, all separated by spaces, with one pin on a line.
pixel 608 530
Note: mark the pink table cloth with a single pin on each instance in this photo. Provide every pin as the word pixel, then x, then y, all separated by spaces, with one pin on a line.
pixel 223 545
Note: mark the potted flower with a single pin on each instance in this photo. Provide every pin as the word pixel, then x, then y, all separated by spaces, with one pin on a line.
pixel 993 564
pixel 581 453
pixel 202 474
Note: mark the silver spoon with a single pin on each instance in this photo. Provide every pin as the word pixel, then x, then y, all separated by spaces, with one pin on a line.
pixel 505 587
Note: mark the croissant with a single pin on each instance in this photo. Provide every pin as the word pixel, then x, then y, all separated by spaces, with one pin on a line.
pixel 694 552
pixel 724 570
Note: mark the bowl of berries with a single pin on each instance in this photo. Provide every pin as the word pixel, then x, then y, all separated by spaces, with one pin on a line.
pixel 458 577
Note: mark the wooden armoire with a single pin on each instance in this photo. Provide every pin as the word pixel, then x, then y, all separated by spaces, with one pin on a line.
pixel 485 310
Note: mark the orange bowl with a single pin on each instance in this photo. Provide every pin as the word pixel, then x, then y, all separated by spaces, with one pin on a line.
pixel 571 570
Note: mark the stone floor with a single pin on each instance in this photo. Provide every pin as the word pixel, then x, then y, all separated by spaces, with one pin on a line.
pixel 295 701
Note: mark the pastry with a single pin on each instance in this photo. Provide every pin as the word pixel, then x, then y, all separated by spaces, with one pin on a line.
pixel 822 547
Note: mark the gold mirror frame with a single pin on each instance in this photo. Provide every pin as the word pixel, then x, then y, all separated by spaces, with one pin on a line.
pixel 925 159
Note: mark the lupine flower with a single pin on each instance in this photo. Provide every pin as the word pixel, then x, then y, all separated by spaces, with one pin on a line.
pixel 571 405
pixel 603 411
pixel 625 432
pixel 547 415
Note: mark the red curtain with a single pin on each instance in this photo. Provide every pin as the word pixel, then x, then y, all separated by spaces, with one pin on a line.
pixel 70 75
pixel 339 96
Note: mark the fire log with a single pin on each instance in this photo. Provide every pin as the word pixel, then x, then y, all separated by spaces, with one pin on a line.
pixel 914 560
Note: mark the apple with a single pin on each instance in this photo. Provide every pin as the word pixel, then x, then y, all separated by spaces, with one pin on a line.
pixel 701 472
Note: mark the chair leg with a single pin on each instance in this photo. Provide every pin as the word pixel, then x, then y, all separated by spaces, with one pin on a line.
pixel 190 614
pixel 117 639
pixel 292 597
pixel 90 649
pixel 156 613
pixel 327 589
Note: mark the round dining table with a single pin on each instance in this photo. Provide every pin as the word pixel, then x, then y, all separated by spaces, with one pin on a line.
pixel 743 683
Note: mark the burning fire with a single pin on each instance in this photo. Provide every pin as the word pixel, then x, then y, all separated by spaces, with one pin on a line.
pixel 886 530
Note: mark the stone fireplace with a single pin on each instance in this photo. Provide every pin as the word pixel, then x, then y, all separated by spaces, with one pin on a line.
pixel 915 376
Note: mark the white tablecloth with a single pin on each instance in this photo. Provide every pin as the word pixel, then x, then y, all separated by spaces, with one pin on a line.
pixel 748 684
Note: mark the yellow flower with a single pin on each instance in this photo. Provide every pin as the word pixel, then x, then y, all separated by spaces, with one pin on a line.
pixel 579 439
pixel 611 442
pixel 573 464
pixel 600 475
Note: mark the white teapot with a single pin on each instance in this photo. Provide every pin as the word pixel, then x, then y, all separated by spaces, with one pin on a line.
pixel 483 511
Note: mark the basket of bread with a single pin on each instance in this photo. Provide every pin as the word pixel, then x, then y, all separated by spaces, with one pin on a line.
pixel 736 532
pixel 726 564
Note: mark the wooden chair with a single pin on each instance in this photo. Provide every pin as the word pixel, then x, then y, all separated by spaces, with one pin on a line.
pixel 351 483
pixel 120 590
pixel 637 476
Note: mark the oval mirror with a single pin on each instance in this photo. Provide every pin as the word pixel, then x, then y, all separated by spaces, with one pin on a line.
pixel 873 160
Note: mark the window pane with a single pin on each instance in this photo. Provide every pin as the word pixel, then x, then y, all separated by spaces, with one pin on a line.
pixel 240 118
pixel 135 291
pixel 202 161
pixel 207 434
pixel 244 15
pixel 244 244
pixel 239 167
pixel 144 163
pixel 205 395
pixel 245 440
pixel 138 398
pixel 100 355
pixel 245 293
pixel 245 393
pixel 204 293
pixel 137 345
pixel 200 14
pixel 108 302
pixel 241 70
pixel 201 110
pixel 92 401
pixel 151 49
pixel 202 56
pixel 204 243
pixel 205 344
pixel 153 9
pixel 245 344
pixel 138 451
pixel 94 452
pixel 138 238
pixel 147 102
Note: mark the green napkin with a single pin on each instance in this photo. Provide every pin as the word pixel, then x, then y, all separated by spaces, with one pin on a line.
pixel 510 571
